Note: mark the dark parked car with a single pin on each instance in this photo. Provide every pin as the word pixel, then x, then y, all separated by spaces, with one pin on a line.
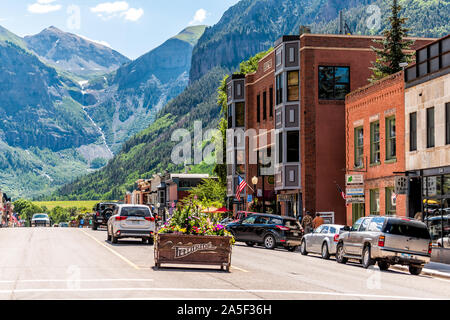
pixel 269 230
pixel 102 212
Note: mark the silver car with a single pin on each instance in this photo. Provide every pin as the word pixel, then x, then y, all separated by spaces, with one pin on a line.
pixel 131 221
pixel 40 220
pixel 388 241
pixel 322 241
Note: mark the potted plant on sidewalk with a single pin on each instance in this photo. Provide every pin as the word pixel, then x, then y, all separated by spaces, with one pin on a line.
pixel 192 238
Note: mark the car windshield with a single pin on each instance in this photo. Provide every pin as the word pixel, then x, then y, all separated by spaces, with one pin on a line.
pixel 40 216
pixel 401 228
pixel 135 212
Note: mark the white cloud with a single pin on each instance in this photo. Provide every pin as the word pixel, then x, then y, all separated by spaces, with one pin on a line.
pixel 109 10
pixel 199 17
pixel 43 6
pixel 133 14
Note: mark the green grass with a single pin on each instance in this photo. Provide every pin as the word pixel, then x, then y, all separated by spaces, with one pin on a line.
pixel 67 204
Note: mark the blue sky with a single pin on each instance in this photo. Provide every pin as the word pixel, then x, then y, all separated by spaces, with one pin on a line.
pixel 132 27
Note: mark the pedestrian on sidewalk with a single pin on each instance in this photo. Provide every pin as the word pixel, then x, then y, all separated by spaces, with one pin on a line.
pixel 318 221
pixel 307 223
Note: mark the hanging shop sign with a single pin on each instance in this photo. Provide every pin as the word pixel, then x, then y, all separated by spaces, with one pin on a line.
pixel 401 185
pixel 355 191
pixel 354 179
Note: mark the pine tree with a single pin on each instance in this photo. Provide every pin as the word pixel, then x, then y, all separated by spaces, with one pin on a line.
pixel 394 47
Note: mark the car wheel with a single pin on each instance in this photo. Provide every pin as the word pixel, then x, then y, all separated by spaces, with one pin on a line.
pixel 113 238
pixel 367 258
pixel 340 258
pixel 144 240
pixel 94 226
pixel 270 242
pixel 303 248
pixel 250 244
pixel 383 265
pixel 415 270
pixel 325 252
pixel 108 238
pixel 292 249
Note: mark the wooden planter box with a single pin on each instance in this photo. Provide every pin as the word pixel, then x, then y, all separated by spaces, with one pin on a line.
pixel 196 250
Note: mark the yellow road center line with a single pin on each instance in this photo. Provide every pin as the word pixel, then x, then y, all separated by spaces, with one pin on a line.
pixel 237 268
pixel 112 251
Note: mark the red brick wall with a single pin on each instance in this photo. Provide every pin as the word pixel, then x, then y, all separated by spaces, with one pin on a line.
pixel 257 83
pixel 384 98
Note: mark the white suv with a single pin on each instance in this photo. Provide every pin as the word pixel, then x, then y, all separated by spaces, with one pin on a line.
pixel 131 221
pixel 40 220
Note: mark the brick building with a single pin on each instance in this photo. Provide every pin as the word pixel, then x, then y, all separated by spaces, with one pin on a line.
pixel 259 90
pixel 375 144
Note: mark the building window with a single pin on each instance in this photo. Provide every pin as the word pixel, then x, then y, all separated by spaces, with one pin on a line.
pixel 413 131
pixel 293 85
pixel 264 105
pixel 430 128
pixel 447 123
pixel 391 201
pixel 258 108
pixel 375 143
pixel 357 212
pixel 375 202
pixel 240 114
pixel 278 58
pixel 279 88
pixel 359 147
pixel 293 146
pixel 271 102
pixel 238 90
pixel 291 55
pixel 334 83
pixel 280 147
pixel 391 142
pixel 230 116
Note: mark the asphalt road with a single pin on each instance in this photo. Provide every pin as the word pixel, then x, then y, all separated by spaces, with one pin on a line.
pixel 70 264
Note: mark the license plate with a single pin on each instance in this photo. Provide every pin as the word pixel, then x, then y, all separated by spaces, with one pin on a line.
pixel 100 220
pixel 295 234
pixel 406 255
pixel 135 222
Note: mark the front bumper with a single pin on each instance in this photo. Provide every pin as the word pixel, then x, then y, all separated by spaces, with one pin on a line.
pixel 397 257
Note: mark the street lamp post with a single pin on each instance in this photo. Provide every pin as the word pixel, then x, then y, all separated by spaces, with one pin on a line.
pixel 255 184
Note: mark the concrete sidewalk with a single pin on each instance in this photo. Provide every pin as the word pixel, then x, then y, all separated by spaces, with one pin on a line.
pixel 433 269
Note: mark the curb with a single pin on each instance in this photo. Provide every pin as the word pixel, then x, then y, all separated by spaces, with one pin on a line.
pixel 425 271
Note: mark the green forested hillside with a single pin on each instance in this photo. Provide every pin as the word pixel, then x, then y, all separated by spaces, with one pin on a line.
pixel 149 152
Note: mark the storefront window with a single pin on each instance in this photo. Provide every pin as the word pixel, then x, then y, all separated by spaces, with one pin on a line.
pixel 375 202
pixel 357 212
pixel 391 201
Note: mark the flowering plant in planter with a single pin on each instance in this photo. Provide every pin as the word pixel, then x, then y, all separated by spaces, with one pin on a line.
pixel 188 221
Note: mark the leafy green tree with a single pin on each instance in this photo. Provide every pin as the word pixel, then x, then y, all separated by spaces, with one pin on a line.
pixel 26 209
pixel 210 193
pixel 394 47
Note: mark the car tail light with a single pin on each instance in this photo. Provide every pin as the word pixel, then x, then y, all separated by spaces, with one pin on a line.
pixel 336 238
pixel 121 218
pixel 283 228
pixel 149 218
pixel 430 248
pixel 381 241
pixel 98 214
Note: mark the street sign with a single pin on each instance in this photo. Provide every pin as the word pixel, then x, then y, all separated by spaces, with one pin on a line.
pixel 401 185
pixel 355 200
pixel 354 179
pixel 355 192
pixel 249 198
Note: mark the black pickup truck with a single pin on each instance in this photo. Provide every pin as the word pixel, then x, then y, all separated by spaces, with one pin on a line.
pixel 102 212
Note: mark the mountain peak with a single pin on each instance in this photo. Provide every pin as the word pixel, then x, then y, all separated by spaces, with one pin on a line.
pixel 191 34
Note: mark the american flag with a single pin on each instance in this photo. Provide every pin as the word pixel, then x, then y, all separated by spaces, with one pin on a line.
pixel 241 186
pixel 343 195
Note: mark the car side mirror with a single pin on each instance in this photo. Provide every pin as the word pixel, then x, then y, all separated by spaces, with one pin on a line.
pixel 347 229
